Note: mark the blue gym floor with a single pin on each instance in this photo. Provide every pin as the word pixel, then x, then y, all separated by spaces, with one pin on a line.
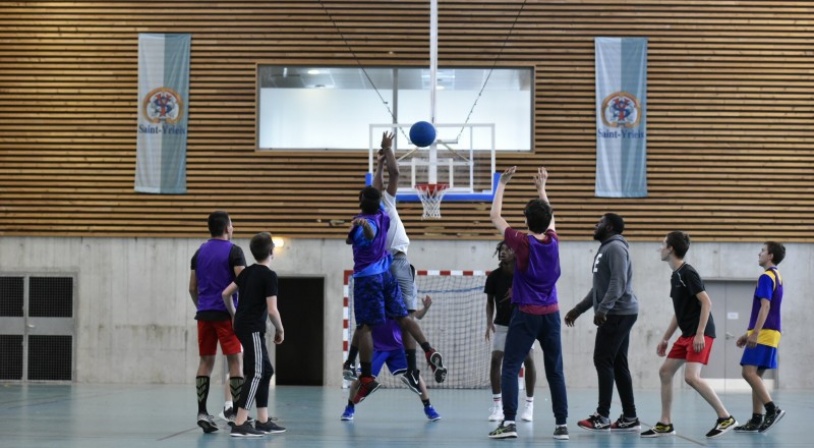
pixel 126 416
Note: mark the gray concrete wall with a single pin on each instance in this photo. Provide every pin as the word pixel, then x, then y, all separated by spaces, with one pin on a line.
pixel 135 319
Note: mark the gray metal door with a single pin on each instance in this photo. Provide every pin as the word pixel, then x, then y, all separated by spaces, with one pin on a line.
pixel 37 327
pixel 731 308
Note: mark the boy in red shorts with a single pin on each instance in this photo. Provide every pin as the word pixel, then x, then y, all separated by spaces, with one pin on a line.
pixel 692 316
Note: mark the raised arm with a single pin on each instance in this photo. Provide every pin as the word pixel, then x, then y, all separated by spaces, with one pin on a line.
pixel 392 165
pixel 539 182
pixel 497 202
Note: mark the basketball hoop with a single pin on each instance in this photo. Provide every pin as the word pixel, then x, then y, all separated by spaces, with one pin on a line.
pixel 430 196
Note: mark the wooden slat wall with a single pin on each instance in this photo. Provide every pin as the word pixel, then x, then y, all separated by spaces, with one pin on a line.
pixel 731 102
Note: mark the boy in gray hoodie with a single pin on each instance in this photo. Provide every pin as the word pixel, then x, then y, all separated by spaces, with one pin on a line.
pixel 615 311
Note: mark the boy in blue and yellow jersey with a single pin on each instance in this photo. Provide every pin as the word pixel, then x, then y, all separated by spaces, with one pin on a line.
pixel 762 339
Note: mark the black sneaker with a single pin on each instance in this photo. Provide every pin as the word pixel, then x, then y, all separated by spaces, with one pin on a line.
pixel 771 419
pixel 245 430
pixel 504 431
pixel 207 423
pixel 561 432
pixel 722 426
pixel 753 425
pixel 659 430
pixel 269 427
pixel 410 379
pixel 622 424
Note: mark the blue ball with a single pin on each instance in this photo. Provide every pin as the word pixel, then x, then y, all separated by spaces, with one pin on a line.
pixel 422 134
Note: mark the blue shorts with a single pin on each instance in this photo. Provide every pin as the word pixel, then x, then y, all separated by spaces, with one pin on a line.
pixel 377 297
pixel 762 356
pixel 396 362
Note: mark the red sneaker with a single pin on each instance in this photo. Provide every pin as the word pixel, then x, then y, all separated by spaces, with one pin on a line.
pixel 367 385
pixel 436 362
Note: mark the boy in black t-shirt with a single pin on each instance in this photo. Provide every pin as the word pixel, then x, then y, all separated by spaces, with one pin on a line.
pixel 692 316
pixel 258 297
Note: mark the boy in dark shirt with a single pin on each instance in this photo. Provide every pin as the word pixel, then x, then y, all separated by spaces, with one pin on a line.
pixel 257 285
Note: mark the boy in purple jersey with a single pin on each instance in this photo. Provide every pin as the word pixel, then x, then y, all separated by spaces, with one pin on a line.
pixel 534 294
pixel 376 294
pixel 762 339
pixel 388 348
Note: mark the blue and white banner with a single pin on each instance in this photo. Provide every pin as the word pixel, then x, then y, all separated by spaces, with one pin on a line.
pixel 621 117
pixel 163 93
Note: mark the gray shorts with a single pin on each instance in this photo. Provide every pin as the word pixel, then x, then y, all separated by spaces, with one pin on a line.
pixel 401 271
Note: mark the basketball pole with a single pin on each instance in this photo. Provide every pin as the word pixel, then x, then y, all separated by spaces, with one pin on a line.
pixel 432 173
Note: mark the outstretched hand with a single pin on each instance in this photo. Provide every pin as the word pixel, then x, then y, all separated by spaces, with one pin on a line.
pixel 506 176
pixel 387 139
pixel 540 178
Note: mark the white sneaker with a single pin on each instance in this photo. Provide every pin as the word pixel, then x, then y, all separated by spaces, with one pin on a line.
pixel 528 413
pixel 496 413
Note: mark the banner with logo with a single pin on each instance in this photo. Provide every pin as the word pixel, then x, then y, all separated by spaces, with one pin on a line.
pixel 163 90
pixel 621 117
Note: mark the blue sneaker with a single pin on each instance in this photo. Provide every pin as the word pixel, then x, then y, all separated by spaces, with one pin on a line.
pixel 347 416
pixel 431 414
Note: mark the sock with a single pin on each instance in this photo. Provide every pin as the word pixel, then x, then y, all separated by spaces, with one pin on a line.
pixel 410 359
pixel 235 385
pixel 529 400
pixel 426 402
pixel 367 368
pixel 497 398
pixel 770 407
pixel 202 387
pixel 508 422
pixel 425 346
pixel 228 404
pixel 350 403
pixel 352 352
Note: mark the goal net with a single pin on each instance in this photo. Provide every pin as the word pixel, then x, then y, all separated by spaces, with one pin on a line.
pixel 455 326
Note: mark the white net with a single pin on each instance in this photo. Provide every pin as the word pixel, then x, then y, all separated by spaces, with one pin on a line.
pixel 454 325
pixel 431 196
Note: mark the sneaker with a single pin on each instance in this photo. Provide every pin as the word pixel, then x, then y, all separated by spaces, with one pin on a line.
pixel 504 431
pixel 659 430
pixel 437 365
pixel 753 425
pixel 231 421
pixel 496 413
pixel 410 379
pixel 771 419
pixel 528 412
pixel 228 414
pixel 622 424
pixel 347 416
pixel 348 372
pixel 595 423
pixel 245 430
pixel 207 423
pixel 367 385
pixel 431 413
pixel 722 426
pixel 269 427
pixel 561 432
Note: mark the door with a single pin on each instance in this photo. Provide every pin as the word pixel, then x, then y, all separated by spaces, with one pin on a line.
pixel 731 308
pixel 36 327
pixel 299 359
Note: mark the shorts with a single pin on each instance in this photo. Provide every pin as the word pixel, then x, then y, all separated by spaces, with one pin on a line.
pixel 210 332
pixel 400 268
pixel 762 356
pixel 499 339
pixel 683 349
pixel 395 360
pixel 375 298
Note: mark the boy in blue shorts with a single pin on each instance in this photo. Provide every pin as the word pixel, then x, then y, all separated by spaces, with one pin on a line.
pixel 762 339
pixel 376 293
pixel 388 349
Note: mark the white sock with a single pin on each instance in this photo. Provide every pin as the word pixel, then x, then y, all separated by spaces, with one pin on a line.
pixel 228 404
pixel 497 398
pixel 529 400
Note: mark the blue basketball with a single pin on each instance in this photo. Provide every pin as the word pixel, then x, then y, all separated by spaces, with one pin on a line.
pixel 422 134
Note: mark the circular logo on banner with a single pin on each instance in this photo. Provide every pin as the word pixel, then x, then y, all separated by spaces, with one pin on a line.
pixel 163 105
pixel 621 109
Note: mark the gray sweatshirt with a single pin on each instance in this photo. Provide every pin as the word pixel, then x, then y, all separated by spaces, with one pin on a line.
pixel 612 291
